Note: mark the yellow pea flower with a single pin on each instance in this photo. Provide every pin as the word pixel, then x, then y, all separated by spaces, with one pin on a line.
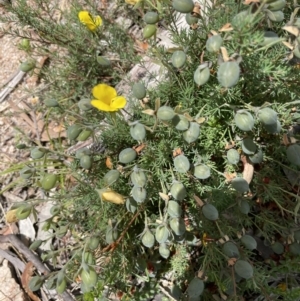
pixel 91 22
pixel 132 2
pixel 107 99
pixel 109 195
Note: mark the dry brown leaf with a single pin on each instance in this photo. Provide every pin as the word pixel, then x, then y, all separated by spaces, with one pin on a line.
pixel 229 176
pixel 194 26
pixel 177 151
pixel 285 139
pixel 229 145
pixel 224 54
pixel 141 46
pixel 248 2
pixel 231 261
pixel 226 27
pixel 292 29
pixel 139 148
pixel 200 120
pixel 25 279
pixel 288 45
pixel 164 196
pixel 149 112
pixel 108 163
pixel 198 200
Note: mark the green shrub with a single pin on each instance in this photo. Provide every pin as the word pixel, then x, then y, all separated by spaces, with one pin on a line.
pixel 175 200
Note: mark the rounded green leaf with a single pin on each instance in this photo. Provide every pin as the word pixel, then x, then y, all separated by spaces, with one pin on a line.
pixel 229 74
pixel 149 31
pixel 297 235
pixel 214 43
pixel 178 191
pixel 244 207
pixel 240 185
pixel 257 158
pixel 26 172
pixel 148 239
pixel 86 162
pixel 138 177
pixel 293 154
pixel 243 269
pixel 73 131
pixel 294 248
pixel 230 250
pixel 49 181
pixel 233 156
pixel 139 194
pixel 275 16
pixel 192 134
pixel 89 276
pixel 249 242
pixel 161 234
pixel 35 283
pixel 181 123
pixel 37 152
pixel 131 205
pixel 248 146
pixel 244 120
pixel 181 164
pixel 195 288
pixel 151 17
pixel 164 251
pixel 273 128
pixel 210 212
pixel 178 59
pixel 138 132
pixel 165 113
pixel 267 116
pixel 177 225
pixel 111 177
pixel 276 5
pixel 84 104
pixel 174 209
pixel 190 19
pixel 278 248
pixel 202 171
pixel 84 135
pixel 201 76
pixel 51 102
pixel 183 6
pixel 103 61
pixel 139 90
pixel 269 37
pixel 127 155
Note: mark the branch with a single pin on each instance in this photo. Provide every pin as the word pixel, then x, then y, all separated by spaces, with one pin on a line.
pixel 20 246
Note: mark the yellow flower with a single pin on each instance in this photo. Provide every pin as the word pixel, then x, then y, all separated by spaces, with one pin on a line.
pixel 132 2
pixel 109 195
pixel 107 99
pixel 91 22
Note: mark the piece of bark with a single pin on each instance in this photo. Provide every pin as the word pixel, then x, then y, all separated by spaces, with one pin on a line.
pixel 19 245
pixel 248 169
pixel 25 279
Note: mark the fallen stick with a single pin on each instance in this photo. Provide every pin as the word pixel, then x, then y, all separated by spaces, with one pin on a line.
pixel 7 90
pixel 20 246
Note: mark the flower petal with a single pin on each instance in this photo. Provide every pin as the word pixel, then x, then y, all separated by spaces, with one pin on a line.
pixel 118 102
pixel 98 21
pixel 89 21
pixel 104 93
pixel 85 17
pixel 100 105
